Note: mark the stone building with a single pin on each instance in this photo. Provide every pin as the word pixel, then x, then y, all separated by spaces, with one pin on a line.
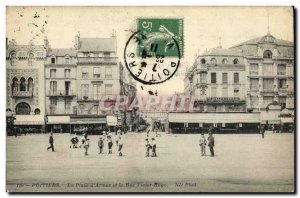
pixel 25 84
pixel 269 65
pixel 61 92
pixel 255 77
pixel 217 80
pixel 97 75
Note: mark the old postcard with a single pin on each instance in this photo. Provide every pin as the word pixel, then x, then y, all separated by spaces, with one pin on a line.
pixel 150 99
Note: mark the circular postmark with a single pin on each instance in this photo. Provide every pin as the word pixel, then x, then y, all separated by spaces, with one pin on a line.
pixel 147 60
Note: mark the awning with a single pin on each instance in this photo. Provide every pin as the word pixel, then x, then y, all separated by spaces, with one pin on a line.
pixel 58 120
pixel 29 120
pixel 287 120
pixel 270 121
pixel 272 116
pixel 88 120
pixel 214 117
pixel 112 120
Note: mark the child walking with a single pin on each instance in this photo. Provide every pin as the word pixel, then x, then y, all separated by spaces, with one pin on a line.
pixel 153 145
pixel 86 146
pixel 100 145
pixel 110 144
pixel 148 147
pixel 202 144
pixel 120 146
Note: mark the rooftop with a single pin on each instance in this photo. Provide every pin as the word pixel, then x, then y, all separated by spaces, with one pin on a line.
pixel 62 52
pixel 98 45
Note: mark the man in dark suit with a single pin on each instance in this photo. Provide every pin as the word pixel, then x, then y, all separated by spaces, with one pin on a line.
pixel 51 141
pixel 211 144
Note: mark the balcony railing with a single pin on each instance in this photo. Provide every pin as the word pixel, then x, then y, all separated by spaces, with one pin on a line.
pixel 281 73
pixel 22 94
pixel 224 100
pixel 97 60
pixel 58 93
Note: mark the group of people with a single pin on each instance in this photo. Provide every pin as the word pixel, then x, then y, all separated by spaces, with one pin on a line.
pixel 85 142
pixel 150 146
pixel 211 144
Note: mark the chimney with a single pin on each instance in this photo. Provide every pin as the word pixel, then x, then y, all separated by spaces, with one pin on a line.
pixel 46 43
pixel 77 41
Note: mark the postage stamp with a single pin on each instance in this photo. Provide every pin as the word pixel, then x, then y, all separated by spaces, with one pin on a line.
pixel 161 32
pixel 152 54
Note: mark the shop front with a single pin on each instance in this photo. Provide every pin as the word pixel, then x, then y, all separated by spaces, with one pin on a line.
pixel 58 124
pixel 215 122
pixel 94 125
pixel 29 123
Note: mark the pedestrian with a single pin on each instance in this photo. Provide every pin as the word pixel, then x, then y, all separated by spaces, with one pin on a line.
pixel 264 130
pixel 100 145
pixel 148 147
pixel 153 145
pixel 119 133
pixel 86 146
pixel 273 128
pixel 51 142
pixel 74 141
pixel 85 133
pixel 120 146
pixel 148 130
pixel 278 128
pixel 211 144
pixel 202 144
pixel 110 144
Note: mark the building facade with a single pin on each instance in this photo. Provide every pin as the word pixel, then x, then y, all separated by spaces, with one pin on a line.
pixel 256 76
pixel 270 75
pixel 217 80
pixel 25 84
pixel 61 92
pixel 97 75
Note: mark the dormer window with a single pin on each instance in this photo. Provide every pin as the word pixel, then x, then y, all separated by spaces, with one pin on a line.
pixel 67 59
pixel 267 54
pixel 236 61
pixel 53 60
pixel 213 61
pixel 203 61
pixel 224 61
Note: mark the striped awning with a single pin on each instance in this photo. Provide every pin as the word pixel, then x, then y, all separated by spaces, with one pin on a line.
pixel 58 120
pixel 29 120
pixel 214 117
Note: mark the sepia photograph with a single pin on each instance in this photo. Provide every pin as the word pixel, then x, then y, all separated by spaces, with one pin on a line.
pixel 170 99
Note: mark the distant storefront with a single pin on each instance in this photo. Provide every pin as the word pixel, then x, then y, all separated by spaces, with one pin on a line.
pixel 217 122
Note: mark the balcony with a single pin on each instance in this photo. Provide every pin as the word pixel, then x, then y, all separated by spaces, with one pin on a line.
pixel 281 73
pixel 22 94
pixel 61 93
pixel 92 60
pixel 224 100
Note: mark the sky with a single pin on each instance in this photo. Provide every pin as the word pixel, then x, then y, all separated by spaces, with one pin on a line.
pixel 204 28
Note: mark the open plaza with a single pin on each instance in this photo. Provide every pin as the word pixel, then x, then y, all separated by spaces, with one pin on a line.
pixel 242 163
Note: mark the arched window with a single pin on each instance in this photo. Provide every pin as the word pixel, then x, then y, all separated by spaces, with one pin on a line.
pixel 37 111
pixel 22 84
pixel 15 84
pixel 213 61
pixel 224 61
pixel 13 59
pixel 203 61
pixel 30 59
pixel 23 109
pixel 268 54
pixel 236 61
pixel 30 84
